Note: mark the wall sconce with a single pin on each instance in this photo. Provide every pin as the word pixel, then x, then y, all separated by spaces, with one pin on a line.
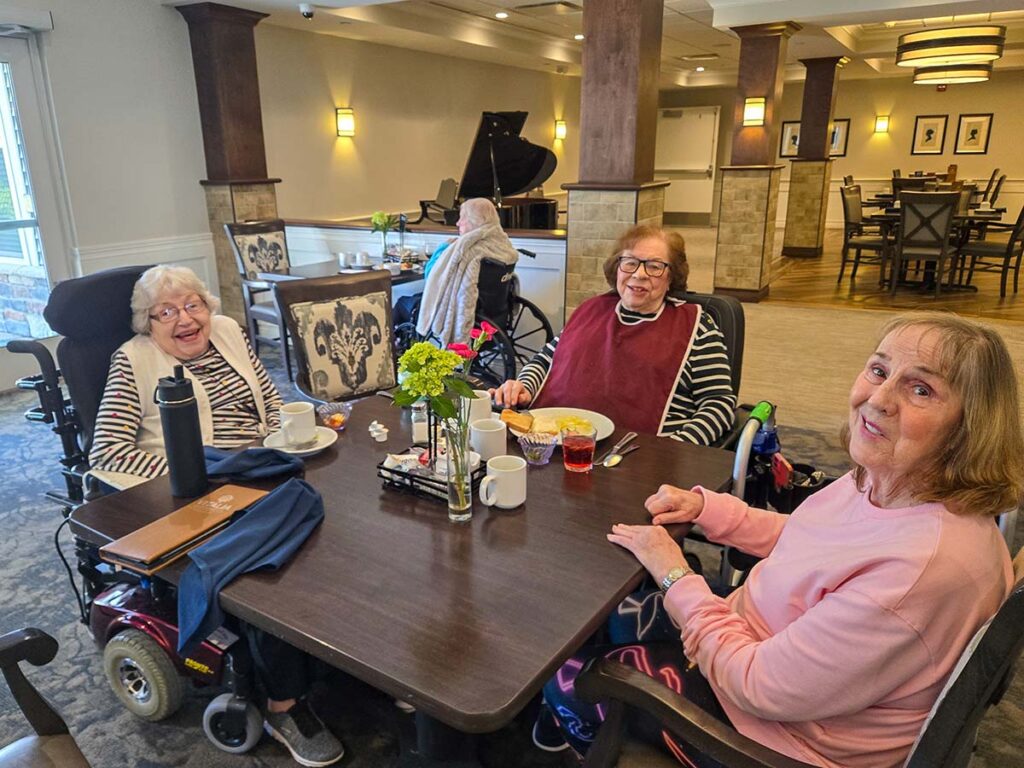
pixel 753 111
pixel 560 129
pixel 346 118
pixel 881 123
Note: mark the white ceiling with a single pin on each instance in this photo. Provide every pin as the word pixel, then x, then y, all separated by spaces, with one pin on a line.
pixel 538 34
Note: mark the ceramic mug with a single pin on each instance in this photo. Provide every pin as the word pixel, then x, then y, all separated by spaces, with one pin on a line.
pixel 344 260
pixel 487 437
pixel 505 484
pixel 298 424
pixel 362 259
pixel 479 406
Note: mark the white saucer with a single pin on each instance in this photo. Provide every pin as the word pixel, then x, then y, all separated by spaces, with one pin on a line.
pixel 325 437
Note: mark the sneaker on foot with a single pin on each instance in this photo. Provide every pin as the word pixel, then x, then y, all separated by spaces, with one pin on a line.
pixel 305 735
pixel 546 733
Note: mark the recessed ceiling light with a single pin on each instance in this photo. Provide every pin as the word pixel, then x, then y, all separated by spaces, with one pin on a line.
pixel 890 24
pixel 700 69
pixel 577 37
pixel 501 15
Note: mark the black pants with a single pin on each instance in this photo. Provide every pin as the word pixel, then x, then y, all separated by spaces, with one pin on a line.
pixel 284 671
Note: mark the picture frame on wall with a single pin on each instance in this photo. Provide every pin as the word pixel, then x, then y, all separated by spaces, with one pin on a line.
pixel 972 134
pixel 789 143
pixel 838 137
pixel 929 134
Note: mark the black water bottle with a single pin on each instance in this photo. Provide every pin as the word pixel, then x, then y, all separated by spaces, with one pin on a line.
pixel 183 439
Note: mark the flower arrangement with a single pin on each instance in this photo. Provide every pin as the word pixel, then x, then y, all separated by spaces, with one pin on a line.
pixel 383 222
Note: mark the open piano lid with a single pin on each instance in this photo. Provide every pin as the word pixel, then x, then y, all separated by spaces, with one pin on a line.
pixel 518 164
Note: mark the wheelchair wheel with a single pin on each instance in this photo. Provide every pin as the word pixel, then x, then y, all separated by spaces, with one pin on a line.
pixel 223 737
pixel 528 329
pixel 496 362
pixel 142 675
pixel 404 337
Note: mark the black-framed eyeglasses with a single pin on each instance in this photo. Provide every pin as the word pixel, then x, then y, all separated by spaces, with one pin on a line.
pixel 653 267
pixel 170 314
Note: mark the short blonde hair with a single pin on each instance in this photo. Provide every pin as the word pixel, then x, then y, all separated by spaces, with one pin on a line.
pixel 479 212
pixel 160 281
pixel 679 270
pixel 980 468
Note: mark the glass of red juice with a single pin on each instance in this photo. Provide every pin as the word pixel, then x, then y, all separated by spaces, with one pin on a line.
pixel 578 444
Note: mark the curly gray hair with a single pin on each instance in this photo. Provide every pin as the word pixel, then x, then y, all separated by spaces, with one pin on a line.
pixel 161 281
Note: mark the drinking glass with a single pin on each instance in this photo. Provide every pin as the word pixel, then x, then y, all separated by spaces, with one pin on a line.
pixel 578 445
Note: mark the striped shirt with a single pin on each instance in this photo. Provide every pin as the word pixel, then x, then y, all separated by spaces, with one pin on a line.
pixel 236 419
pixel 703 403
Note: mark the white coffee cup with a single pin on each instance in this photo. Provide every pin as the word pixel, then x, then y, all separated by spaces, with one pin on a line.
pixel 344 259
pixel 505 484
pixel 298 424
pixel 362 259
pixel 487 437
pixel 479 406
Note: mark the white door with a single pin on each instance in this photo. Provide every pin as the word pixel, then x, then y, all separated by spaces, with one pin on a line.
pixel 33 250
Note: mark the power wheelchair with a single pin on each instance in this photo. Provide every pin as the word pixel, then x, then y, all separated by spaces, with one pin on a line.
pixel 133 619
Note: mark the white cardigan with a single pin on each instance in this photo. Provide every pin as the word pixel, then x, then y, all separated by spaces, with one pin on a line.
pixel 150 363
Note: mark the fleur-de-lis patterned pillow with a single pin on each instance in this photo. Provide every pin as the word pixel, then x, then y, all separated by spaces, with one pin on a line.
pixel 347 342
pixel 262 252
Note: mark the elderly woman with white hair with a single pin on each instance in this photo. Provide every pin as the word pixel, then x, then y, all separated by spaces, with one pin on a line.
pixel 175 320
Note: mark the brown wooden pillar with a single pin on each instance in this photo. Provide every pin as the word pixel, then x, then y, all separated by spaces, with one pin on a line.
pixel 618 122
pixel 236 187
pixel 750 184
pixel 810 174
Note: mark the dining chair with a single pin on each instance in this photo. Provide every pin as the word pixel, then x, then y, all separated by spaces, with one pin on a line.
pixel 996 190
pixel 855 239
pixel 899 184
pixel 951 172
pixel 946 740
pixel 341 330
pixel 847 181
pixel 52 746
pixel 896 173
pixel 261 246
pixel 996 254
pixel 990 185
pixel 926 221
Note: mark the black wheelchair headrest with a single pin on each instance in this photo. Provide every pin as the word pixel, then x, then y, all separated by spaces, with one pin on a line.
pixel 94 306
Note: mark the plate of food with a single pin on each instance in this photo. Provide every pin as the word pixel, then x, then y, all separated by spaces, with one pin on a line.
pixel 555 419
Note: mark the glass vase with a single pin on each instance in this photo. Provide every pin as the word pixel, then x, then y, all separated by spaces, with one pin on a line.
pixel 460 487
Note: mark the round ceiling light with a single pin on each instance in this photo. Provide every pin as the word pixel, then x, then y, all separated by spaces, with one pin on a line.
pixel 954 75
pixel 956 45
pixel 501 15
pixel 577 37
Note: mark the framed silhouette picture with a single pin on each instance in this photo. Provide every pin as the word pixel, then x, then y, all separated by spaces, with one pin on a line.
pixel 972 134
pixel 838 136
pixel 790 141
pixel 929 134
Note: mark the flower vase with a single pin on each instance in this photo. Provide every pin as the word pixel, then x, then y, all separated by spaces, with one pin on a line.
pixel 460 488
pixel 384 245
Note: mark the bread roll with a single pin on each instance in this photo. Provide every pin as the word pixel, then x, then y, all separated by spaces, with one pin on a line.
pixel 520 422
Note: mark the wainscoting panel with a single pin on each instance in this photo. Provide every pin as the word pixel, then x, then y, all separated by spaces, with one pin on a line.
pixel 192 251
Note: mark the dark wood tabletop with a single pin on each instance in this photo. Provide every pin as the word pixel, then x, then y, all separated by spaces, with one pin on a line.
pixel 327 269
pixel 466 621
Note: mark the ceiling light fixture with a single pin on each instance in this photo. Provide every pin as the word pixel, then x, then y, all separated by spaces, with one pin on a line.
pixel 753 111
pixel 501 15
pixel 700 69
pixel 953 75
pixel 577 37
pixel 956 45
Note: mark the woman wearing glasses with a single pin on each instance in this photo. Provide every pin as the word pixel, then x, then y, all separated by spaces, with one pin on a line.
pixel 650 361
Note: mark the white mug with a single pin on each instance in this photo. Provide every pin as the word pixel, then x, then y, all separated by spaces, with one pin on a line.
pixel 480 406
pixel 362 259
pixel 487 437
pixel 505 484
pixel 344 259
pixel 298 424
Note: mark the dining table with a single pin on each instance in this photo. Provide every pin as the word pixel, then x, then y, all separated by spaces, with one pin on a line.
pixel 330 267
pixel 463 621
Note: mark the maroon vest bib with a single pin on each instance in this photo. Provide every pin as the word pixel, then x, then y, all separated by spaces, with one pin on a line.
pixel 626 372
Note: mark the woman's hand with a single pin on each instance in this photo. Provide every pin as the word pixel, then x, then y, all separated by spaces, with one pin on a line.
pixel 652 546
pixel 512 394
pixel 674 505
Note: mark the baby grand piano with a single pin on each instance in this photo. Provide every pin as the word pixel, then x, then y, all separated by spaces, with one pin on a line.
pixel 501 163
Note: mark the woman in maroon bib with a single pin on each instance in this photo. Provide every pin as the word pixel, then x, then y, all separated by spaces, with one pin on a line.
pixel 649 361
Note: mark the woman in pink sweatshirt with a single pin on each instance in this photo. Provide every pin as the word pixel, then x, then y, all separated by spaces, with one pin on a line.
pixel 838 644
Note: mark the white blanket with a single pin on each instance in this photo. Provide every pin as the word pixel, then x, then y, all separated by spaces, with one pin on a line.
pixel 449 299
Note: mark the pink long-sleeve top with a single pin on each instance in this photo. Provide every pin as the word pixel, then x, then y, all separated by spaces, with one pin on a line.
pixel 839 642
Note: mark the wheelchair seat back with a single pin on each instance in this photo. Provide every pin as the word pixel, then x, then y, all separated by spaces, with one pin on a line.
pixel 496 283
pixel 727 313
pixel 93 314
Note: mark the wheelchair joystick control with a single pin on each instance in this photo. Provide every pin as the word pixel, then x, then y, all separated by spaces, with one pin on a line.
pixel 183 439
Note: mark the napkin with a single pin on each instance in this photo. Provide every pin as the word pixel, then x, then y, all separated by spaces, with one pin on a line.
pixel 250 464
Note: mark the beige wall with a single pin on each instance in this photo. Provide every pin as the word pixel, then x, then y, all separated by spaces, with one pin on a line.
pixel 416 115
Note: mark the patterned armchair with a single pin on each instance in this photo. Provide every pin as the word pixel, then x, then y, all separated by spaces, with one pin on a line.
pixel 341 330
pixel 260 246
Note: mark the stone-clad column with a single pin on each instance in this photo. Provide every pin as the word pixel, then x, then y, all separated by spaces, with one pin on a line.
pixel 750 184
pixel 811 172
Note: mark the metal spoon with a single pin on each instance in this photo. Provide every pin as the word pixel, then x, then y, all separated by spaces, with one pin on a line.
pixel 615 458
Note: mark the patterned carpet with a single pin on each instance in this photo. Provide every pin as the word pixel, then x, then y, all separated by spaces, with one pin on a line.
pixel 36 593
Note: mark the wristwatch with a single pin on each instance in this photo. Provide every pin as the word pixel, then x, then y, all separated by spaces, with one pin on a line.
pixel 674 575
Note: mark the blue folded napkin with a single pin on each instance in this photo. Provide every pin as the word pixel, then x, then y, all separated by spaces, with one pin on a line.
pixel 250 464
pixel 266 536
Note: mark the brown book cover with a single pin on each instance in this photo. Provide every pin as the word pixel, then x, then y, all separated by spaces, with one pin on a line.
pixel 165 540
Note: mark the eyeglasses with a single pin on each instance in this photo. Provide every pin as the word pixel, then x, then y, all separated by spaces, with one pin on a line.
pixel 653 267
pixel 169 314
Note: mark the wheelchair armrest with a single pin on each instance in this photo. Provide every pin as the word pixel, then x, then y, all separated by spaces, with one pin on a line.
pixel 31 645
pixel 37 648
pixel 603 679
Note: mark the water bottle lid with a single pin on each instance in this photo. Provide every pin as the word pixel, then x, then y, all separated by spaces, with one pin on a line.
pixel 174 389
